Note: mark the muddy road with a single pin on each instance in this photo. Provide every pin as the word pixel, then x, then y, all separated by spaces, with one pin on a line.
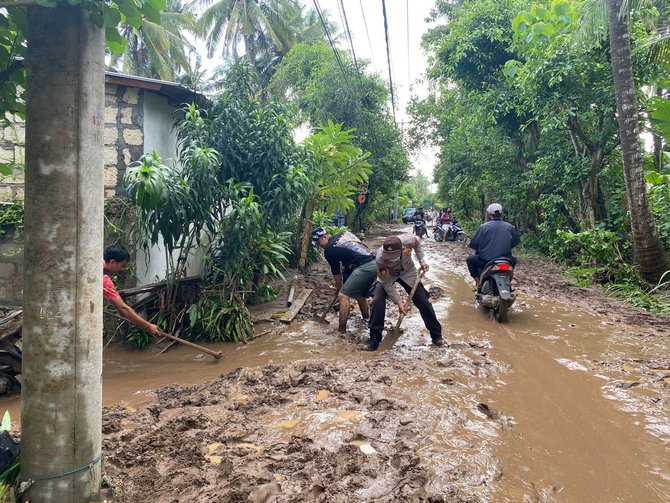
pixel 567 402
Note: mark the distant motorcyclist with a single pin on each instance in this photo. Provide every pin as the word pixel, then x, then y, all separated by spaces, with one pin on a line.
pixel 420 222
pixel 494 239
pixel 445 216
pixel 353 267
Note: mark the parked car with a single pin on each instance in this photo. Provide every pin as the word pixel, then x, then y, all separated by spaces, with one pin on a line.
pixel 408 215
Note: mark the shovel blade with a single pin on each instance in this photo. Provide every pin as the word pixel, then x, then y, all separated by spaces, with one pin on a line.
pixel 320 319
pixel 391 338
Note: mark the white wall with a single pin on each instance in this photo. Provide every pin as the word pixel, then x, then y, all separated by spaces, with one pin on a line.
pixel 159 136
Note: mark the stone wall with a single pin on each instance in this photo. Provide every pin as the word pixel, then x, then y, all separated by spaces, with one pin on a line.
pixel 11 269
pixel 12 151
pixel 124 141
pixel 124 137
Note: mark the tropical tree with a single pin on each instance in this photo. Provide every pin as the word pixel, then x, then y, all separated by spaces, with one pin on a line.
pixel 314 83
pixel 157 49
pixel 651 258
pixel 335 168
pixel 253 22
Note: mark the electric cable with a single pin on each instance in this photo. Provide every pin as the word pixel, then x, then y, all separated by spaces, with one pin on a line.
pixel 388 58
pixel 351 42
pixel 367 33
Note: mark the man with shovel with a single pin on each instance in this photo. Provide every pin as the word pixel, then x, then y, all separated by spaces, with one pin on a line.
pixel 395 265
pixel 353 267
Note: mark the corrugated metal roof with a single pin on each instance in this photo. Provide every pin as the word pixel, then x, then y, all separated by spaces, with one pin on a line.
pixel 172 90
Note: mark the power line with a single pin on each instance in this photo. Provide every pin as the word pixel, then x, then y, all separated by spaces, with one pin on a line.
pixel 332 46
pixel 388 58
pixel 351 42
pixel 367 33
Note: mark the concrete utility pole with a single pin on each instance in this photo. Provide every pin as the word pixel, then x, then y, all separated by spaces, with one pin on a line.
pixel 61 407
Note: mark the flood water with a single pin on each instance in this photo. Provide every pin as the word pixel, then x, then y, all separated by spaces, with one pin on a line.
pixel 562 427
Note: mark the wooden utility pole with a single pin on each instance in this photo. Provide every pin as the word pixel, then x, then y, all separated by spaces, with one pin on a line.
pixel 61 401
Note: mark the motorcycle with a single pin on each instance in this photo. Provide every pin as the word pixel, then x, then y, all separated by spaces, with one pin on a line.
pixel 439 232
pixel 454 232
pixel 420 228
pixel 495 292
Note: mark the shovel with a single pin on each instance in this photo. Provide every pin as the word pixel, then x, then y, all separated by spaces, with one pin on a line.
pixel 322 319
pixel 393 335
pixel 215 354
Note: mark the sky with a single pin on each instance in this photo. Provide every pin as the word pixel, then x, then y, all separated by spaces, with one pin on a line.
pixel 406 25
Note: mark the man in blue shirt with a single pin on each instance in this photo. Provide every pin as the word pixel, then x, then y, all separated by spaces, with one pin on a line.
pixel 494 239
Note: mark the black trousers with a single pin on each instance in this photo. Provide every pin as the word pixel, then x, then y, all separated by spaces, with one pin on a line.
pixel 420 300
pixel 476 264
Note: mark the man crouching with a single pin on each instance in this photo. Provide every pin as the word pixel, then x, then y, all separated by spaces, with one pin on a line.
pixel 353 267
pixel 395 264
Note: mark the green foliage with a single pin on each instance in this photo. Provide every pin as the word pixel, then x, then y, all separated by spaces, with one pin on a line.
pixel 659 201
pixel 311 79
pixel 334 167
pixel 659 112
pixel 157 50
pixel 139 338
pixel 636 295
pixel 14 25
pixel 601 256
pixel 219 319
pixel 11 215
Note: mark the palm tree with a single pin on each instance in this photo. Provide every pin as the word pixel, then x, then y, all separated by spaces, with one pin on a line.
pixel 158 50
pixel 254 22
pixel 650 256
pixel 649 252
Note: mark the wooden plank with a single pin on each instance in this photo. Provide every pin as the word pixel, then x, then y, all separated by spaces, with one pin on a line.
pixel 296 306
pixel 276 310
pixel 190 280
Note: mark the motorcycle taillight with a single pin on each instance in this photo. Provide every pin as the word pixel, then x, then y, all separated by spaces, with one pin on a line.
pixel 504 267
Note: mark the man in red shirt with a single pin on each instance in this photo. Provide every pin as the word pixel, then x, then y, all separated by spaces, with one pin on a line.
pixel 116 259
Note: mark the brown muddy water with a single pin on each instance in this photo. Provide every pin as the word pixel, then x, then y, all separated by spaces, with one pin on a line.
pixel 530 410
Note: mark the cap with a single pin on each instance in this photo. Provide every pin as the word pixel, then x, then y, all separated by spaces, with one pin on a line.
pixel 391 248
pixel 494 208
pixel 317 233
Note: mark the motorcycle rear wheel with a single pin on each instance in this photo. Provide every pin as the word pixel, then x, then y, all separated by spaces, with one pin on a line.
pixel 501 310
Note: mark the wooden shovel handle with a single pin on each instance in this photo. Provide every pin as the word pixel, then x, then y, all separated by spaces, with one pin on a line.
pixel 409 298
pixel 330 305
pixel 215 354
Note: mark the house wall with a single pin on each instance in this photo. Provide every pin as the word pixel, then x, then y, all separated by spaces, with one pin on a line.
pixel 159 136
pixel 12 150
pixel 124 141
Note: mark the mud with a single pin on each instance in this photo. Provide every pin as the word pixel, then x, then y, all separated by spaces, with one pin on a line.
pixel 567 402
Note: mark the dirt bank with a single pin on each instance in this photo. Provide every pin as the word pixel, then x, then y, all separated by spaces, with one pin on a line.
pixel 415 424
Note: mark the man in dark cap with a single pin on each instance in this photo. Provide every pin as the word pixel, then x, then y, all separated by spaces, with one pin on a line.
pixel 395 265
pixel 494 239
pixel 353 267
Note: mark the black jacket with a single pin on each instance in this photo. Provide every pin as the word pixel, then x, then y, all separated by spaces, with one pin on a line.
pixel 494 239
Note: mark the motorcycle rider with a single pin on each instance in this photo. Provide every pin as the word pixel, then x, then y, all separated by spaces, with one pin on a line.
pixel 353 267
pixel 395 265
pixel 420 216
pixel 494 239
